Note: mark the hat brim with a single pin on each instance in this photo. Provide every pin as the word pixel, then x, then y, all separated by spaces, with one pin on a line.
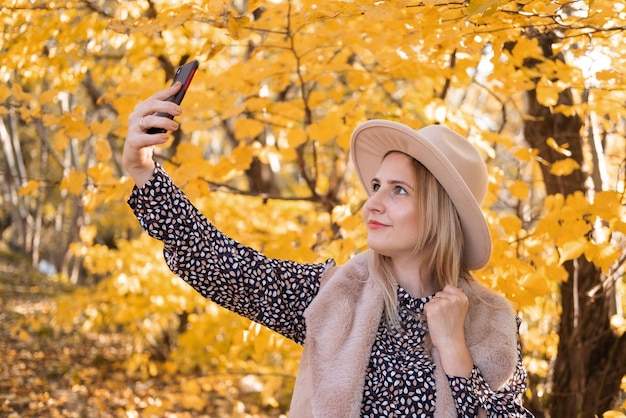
pixel 373 139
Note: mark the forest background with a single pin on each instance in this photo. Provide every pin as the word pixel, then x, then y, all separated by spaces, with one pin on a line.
pixel 102 328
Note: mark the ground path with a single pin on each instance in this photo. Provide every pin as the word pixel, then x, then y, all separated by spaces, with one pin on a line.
pixel 47 372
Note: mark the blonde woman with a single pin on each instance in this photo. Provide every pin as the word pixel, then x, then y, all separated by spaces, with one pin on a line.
pixel 400 330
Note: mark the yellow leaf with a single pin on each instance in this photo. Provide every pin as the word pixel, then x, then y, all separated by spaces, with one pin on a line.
pixel 606 75
pixel 49 120
pixel 235 24
pixel 91 199
pixel 29 114
pixel 547 93
pixel 603 255
pixel 547 226
pixel 73 182
pixel 607 205
pixel 572 250
pixel 568 110
pixel 248 128
pixel 296 136
pixel 31 188
pixel 535 283
pixel 257 104
pixel 101 174
pixel 5 92
pixel 326 80
pixel 572 231
pixel 19 94
pixel 525 48
pixel 554 272
pixel 570 214
pixel 343 140
pixel 511 224
pixel 212 49
pixel 78 130
pixel 74 123
pixel 188 152
pixel 47 97
pixel 554 203
pixel 519 189
pixel 101 128
pixel 325 130
pixel 564 167
pixel 578 203
pixel 61 140
pixel 618 225
pixel 526 154
pixel 241 157
pixel 484 7
pixel 103 151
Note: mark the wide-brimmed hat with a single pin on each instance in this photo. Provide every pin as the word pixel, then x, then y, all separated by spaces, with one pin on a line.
pixel 452 159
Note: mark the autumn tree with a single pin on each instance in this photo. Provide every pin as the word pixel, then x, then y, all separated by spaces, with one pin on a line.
pixel 262 150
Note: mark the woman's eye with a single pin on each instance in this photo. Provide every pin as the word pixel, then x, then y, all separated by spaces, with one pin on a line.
pixel 400 190
pixel 375 187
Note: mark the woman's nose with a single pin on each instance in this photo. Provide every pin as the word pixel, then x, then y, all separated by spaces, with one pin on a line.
pixel 374 203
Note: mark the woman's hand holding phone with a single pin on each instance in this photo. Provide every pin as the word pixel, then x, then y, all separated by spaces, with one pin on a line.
pixel 184 75
pixel 139 144
pixel 150 123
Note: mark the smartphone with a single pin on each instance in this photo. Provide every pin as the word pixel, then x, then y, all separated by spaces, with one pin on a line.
pixel 184 74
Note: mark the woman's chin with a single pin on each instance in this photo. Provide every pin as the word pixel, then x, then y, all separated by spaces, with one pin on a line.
pixel 378 248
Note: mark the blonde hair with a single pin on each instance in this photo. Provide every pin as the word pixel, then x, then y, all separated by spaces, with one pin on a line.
pixel 440 242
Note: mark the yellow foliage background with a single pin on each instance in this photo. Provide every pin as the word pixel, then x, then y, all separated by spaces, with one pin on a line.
pixel 281 85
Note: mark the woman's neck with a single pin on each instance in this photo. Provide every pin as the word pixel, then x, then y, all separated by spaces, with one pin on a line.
pixel 411 277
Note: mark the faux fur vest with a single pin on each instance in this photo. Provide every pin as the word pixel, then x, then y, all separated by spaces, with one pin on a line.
pixel 342 322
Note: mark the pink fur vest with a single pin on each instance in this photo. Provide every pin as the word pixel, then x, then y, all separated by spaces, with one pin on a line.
pixel 342 322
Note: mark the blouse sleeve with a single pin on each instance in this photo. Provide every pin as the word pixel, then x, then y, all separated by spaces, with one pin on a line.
pixel 269 291
pixel 474 393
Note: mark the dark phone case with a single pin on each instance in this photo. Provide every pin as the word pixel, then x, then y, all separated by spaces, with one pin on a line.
pixel 184 74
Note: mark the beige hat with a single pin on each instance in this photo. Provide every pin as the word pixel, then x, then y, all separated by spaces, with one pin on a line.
pixel 454 162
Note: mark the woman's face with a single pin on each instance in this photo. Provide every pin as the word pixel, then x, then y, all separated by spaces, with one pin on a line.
pixel 390 212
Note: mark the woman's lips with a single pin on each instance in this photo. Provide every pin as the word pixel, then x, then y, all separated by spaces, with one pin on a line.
pixel 375 224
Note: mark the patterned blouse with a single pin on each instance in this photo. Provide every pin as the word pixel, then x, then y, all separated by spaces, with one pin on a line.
pixel 399 380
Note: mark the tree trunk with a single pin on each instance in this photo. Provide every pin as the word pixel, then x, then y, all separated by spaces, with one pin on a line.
pixel 14 177
pixel 590 362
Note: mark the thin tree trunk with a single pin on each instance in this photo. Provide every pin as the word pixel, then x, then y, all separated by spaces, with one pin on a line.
pixel 38 212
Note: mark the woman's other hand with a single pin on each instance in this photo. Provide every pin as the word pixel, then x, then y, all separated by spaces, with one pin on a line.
pixel 445 314
pixel 139 144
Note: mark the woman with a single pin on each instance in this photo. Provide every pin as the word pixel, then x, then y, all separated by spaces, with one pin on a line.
pixel 400 330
